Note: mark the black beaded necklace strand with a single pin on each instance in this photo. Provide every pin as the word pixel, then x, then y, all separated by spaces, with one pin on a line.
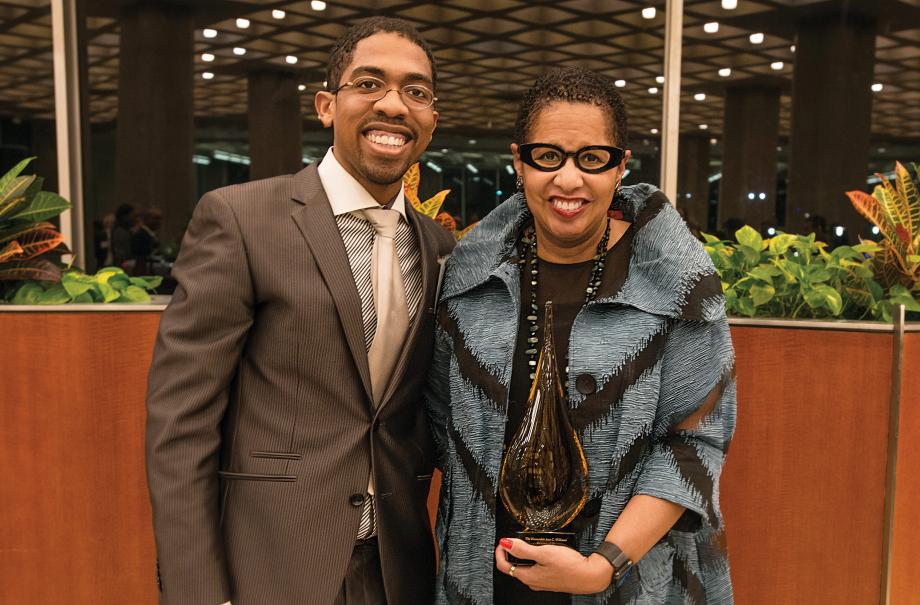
pixel 529 240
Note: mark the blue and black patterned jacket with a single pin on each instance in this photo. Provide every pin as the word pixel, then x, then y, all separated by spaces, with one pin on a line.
pixel 643 358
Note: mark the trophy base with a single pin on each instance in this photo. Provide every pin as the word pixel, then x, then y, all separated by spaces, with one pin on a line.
pixel 541 538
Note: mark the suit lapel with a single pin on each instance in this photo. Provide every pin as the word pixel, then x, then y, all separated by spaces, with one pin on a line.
pixel 318 227
pixel 429 270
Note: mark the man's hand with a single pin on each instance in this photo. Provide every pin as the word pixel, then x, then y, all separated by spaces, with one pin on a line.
pixel 557 569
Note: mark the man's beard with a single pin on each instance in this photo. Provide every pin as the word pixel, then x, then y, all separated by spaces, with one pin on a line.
pixel 383 173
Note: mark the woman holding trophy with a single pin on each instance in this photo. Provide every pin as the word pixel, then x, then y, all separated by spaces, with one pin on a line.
pixel 582 392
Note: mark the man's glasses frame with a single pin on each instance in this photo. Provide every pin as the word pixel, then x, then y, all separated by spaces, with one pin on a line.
pixel 415 96
pixel 526 150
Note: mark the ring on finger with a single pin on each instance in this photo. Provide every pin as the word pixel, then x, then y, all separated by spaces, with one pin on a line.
pixel 511 571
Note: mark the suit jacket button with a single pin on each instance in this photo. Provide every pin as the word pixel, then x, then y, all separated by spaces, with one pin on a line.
pixel 585 384
pixel 356 499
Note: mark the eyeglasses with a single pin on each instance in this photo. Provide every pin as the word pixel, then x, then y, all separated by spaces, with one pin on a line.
pixel 592 159
pixel 415 96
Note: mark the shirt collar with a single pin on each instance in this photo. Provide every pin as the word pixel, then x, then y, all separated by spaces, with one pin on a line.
pixel 346 194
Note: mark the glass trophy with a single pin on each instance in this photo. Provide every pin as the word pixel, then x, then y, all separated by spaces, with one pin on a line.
pixel 543 481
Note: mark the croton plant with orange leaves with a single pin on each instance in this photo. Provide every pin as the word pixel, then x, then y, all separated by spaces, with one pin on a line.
pixel 432 206
pixel 30 246
pixel 26 236
pixel 895 210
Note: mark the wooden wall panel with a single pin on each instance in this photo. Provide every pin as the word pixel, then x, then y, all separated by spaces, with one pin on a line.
pixel 74 512
pixel 802 490
pixel 906 544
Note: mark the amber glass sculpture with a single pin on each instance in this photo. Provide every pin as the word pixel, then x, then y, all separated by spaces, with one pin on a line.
pixel 543 481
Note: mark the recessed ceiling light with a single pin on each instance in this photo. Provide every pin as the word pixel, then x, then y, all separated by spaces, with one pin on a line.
pixel 653 90
pixel 325 83
pixel 756 38
pixel 290 59
pixel 725 72
pixel 777 65
pixel 242 23
pixel 792 48
pixel 278 14
pixel 654 131
pixel 207 57
pixel 700 96
pixel 318 5
pixel 711 27
pixel 472 141
pixel 649 12
pixel 659 79
pixel 704 126
pixel 209 33
pixel 877 87
pixel 729 5
pixel 619 83
pixel 713 141
pixel 207 75
pixel 239 51
pixel 301 87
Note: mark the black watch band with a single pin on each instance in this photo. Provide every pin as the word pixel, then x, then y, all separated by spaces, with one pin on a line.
pixel 617 559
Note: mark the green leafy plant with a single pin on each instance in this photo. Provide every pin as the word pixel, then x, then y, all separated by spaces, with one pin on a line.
pixel 895 210
pixel 110 284
pixel 26 238
pixel 795 276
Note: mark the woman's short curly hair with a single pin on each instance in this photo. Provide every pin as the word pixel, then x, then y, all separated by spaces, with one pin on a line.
pixel 344 48
pixel 573 85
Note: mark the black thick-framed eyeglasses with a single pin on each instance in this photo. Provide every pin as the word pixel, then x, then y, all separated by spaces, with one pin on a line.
pixel 592 159
pixel 373 89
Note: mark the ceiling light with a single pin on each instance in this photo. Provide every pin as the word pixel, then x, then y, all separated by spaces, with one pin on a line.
pixel 207 57
pixel 877 87
pixel 649 13
pixel 762 196
pixel 242 23
pixel 792 48
pixel 279 14
pixel 209 33
pixel 290 59
pixel 713 141
pixel 777 66
pixel 704 126
pixel 700 96
pixel 508 167
pixel 711 27
pixel 207 75
pixel 472 169
pixel 771 231
pixel 876 230
pixel 654 131
pixel 653 90
pixel 659 79
pixel 620 83
pixel 729 5
pixel 325 83
pixel 756 38
pixel 239 51
pixel 301 87
pixel 472 141
pixel 838 231
pixel 318 5
pixel 725 72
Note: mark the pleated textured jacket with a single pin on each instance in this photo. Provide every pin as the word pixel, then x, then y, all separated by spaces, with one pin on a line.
pixel 642 358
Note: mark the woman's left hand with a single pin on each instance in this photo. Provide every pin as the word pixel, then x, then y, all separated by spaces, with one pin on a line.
pixel 557 569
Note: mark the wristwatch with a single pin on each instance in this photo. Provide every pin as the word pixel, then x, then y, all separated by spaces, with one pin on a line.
pixel 617 559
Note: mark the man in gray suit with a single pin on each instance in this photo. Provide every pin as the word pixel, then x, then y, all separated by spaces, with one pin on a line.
pixel 288 458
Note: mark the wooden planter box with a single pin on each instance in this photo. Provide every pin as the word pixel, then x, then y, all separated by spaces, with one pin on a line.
pixel 803 492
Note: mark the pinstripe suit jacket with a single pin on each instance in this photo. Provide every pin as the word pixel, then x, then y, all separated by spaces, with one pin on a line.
pixel 260 423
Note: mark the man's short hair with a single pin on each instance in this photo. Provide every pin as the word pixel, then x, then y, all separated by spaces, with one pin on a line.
pixel 344 48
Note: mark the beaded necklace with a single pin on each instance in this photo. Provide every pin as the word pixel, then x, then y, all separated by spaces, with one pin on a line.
pixel 529 241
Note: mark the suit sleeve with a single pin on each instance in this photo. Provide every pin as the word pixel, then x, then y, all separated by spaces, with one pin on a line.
pixel 198 348
pixel 694 422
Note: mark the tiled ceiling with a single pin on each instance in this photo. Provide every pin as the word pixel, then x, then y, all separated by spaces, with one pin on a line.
pixel 488 52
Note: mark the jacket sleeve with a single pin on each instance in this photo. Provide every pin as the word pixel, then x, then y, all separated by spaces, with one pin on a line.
pixel 694 422
pixel 198 348
pixel 437 390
